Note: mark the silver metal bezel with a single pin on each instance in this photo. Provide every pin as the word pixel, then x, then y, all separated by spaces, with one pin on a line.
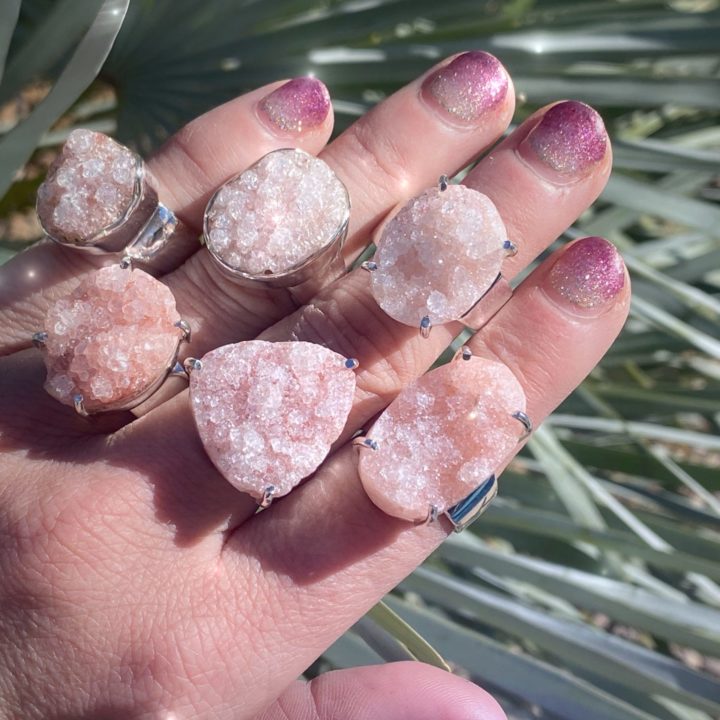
pixel 296 275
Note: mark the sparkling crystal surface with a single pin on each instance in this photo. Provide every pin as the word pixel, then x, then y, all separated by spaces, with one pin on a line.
pixel 441 437
pixel 110 339
pixel 438 255
pixel 267 413
pixel 89 186
pixel 277 214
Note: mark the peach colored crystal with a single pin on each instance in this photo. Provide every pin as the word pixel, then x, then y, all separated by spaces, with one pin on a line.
pixel 438 255
pixel 277 214
pixel 267 413
pixel 90 185
pixel 111 339
pixel 441 437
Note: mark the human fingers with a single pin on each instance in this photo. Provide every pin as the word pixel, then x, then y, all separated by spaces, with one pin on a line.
pixel 347 319
pixel 187 169
pixel 396 691
pixel 434 125
pixel 322 556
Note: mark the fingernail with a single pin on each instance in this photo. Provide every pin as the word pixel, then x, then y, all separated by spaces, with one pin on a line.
pixel 298 105
pixel 567 143
pixel 468 87
pixel 586 277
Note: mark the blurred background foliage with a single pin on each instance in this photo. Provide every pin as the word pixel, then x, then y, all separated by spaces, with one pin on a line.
pixel 591 588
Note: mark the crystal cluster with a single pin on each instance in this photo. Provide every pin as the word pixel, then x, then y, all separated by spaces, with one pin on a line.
pixel 438 255
pixel 267 413
pixel 442 437
pixel 111 339
pixel 276 214
pixel 89 186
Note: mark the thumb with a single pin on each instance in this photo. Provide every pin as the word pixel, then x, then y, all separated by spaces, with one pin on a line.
pixel 396 691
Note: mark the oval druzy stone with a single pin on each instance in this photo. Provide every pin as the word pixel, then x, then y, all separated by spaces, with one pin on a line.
pixel 277 214
pixel 438 255
pixel 442 437
pixel 267 413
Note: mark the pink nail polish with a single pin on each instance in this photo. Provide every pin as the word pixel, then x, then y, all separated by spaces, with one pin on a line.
pixel 567 143
pixel 587 276
pixel 298 105
pixel 468 87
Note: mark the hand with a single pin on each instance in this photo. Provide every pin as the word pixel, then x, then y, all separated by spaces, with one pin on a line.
pixel 136 582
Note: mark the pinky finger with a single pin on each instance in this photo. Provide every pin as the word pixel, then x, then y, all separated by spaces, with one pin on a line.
pixel 398 691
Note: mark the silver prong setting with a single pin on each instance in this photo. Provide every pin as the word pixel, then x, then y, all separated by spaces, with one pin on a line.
pixel 526 422
pixel 184 328
pixel 267 497
pixel 464 354
pixel 425 326
pixel 126 263
pixel 365 442
pixel 510 248
pixel 432 516
pixel 369 265
pixel 443 183
pixel 352 363
pixel 39 339
pixel 79 404
pixel 192 365
pixel 178 370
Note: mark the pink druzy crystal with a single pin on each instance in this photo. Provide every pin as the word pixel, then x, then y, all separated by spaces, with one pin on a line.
pixel 90 185
pixel 442 437
pixel 267 413
pixel 438 255
pixel 111 339
pixel 277 214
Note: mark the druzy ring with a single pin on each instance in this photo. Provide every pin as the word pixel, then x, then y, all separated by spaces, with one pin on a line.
pixel 112 341
pixel 439 258
pixel 98 196
pixel 438 445
pixel 280 224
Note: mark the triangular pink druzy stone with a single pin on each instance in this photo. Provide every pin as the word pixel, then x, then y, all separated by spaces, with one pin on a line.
pixel 267 413
pixel 442 437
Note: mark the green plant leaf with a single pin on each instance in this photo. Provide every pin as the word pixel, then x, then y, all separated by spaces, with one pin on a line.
pixel 620 661
pixel 418 647
pixel 494 665
pixel 9 12
pixel 18 144
pixel 55 36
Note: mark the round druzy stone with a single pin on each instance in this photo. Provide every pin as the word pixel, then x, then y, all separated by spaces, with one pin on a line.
pixel 267 413
pixel 277 214
pixel 90 186
pixel 111 339
pixel 438 255
pixel 442 437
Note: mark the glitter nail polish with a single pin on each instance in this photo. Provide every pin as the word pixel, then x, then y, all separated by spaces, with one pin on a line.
pixel 468 87
pixel 587 276
pixel 298 105
pixel 567 143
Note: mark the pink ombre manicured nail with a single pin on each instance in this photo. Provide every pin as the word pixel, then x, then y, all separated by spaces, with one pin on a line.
pixel 468 87
pixel 567 143
pixel 298 105
pixel 587 276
